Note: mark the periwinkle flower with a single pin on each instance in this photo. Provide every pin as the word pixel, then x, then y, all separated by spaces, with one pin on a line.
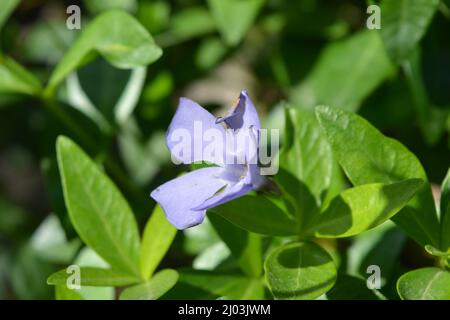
pixel 185 199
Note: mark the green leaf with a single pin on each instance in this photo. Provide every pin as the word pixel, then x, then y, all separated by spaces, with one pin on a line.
pixel 425 284
pixel 306 152
pixel 445 194
pixel 115 35
pixel 97 6
pixel 16 79
pixel 97 209
pixel 95 277
pixel 162 282
pixel 245 246
pixel 436 252
pixel 364 207
pixel 346 73
pixel 234 17
pixel 6 8
pixel 380 246
pixel 225 286
pixel 308 160
pixel 352 288
pixel 88 258
pixel 157 238
pixel 189 23
pixel 445 213
pixel 299 271
pixel 403 24
pixel 367 156
pixel 62 292
pixel 257 214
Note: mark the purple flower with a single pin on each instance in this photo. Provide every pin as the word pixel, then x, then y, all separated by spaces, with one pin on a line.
pixel 186 198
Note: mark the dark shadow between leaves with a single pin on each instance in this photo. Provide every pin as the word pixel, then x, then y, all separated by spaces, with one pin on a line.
pixel 303 292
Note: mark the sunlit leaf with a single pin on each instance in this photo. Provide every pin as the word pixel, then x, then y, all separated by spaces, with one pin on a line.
pixel 425 284
pixel 115 35
pixel 157 286
pixel 367 156
pixel 97 209
pixel 157 238
pixel 90 276
pixel 364 207
pixel 299 271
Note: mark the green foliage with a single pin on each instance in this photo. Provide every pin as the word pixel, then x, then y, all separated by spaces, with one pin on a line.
pixel 366 156
pixel 97 209
pixel 15 79
pixel 258 215
pixel 6 8
pixel 234 17
pixel 346 72
pixel 95 277
pixel 425 284
pixel 157 238
pixel 161 282
pixel 115 35
pixel 404 23
pixel 106 94
pixel 299 271
pixel 364 207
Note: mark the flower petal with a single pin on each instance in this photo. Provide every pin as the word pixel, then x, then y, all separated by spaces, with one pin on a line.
pixel 244 115
pixel 231 192
pixel 179 196
pixel 193 120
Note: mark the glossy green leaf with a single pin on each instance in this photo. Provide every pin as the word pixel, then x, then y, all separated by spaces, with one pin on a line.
pixel 244 246
pixel 364 207
pixel 157 286
pixel 403 24
pixel 234 17
pixel 97 209
pixel 225 286
pixel 299 271
pixel 346 73
pixel 6 8
pixel 157 238
pixel 115 35
pixel 257 214
pixel 425 284
pixel 16 79
pixel 95 277
pixel 367 156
